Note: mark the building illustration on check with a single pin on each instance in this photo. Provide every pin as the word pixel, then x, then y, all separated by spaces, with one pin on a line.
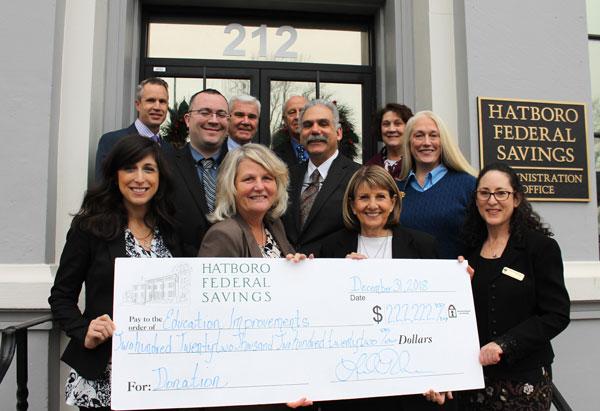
pixel 173 287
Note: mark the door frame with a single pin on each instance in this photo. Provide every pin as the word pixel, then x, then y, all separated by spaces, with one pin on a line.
pixel 260 75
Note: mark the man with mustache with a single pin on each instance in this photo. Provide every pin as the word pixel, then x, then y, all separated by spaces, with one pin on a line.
pixel 152 105
pixel 244 111
pixel 317 187
pixel 289 149
pixel 195 166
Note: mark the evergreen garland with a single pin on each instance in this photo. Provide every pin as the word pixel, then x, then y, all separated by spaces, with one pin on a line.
pixel 176 131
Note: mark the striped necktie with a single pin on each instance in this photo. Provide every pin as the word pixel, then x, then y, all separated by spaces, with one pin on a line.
pixel 307 198
pixel 208 181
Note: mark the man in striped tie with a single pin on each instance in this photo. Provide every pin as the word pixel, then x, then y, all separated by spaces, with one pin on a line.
pixel 195 166
pixel 317 187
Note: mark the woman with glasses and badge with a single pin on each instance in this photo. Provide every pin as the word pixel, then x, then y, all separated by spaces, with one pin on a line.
pixel 519 292
pixel 128 214
pixel 437 182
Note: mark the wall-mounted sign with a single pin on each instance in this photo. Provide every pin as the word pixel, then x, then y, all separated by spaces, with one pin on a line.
pixel 545 142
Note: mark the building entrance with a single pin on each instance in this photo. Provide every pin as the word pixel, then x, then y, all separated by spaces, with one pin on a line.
pixel 270 60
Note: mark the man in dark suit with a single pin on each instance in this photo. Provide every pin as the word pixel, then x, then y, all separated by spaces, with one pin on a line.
pixel 152 105
pixel 317 187
pixel 195 166
pixel 289 149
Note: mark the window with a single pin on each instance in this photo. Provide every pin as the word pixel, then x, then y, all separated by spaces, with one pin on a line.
pixel 270 57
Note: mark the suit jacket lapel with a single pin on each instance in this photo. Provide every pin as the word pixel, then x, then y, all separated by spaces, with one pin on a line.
pixel 187 168
pixel 348 243
pixel 248 239
pixel 116 247
pixel 296 179
pixel 401 244
pixel 512 251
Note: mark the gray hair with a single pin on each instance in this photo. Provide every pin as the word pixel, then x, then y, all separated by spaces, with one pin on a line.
pixel 151 80
pixel 226 192
pixel 322 102
pixel 244 98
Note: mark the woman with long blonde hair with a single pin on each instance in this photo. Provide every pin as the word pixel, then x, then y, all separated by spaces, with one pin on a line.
pixel 437 182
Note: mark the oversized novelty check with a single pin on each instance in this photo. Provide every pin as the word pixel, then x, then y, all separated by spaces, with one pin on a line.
pixel 215 331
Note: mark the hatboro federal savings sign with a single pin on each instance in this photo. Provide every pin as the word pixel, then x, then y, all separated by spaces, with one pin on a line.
pixel 545 142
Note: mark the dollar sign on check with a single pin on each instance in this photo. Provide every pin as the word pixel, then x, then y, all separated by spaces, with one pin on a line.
pixel 378 316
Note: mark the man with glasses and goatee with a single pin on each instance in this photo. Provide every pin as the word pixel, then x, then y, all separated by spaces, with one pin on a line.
pixel 195 166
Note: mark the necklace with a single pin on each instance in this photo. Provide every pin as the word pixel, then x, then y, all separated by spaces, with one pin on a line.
pixel 495 250
pixel 382 247
pixel 145 241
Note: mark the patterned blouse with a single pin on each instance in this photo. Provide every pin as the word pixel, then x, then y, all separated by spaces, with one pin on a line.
pixel 96 393
pixel 270 249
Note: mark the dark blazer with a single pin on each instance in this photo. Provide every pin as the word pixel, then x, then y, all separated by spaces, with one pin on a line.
pixel 108 140
pixel 285 151
pixel 233 238
pixel 325 216
pixel 190 201
pixel 522 316
pixel 90 260
pixel 406 243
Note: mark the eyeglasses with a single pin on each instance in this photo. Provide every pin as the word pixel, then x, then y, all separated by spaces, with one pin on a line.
pixel 484 195
pixel 205 113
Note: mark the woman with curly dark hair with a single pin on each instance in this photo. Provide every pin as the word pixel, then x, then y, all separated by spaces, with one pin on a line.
pixel 520 297
pixel 128 214
pixel 388 127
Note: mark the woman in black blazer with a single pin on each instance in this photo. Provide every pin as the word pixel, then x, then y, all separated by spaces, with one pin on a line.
pixel 371 211
pixel 127 215
pixel 520 297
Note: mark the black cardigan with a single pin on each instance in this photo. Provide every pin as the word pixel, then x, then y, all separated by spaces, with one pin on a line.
pixel 522 316
pixel 90 260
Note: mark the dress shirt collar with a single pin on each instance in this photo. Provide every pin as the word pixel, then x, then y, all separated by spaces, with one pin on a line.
pixel 143 130
pixel 431 179
pixel 323 168
pixel 197 156
pixel 232 144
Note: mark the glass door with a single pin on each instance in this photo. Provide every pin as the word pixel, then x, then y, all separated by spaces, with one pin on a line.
pixel 270 59
pixel 351 92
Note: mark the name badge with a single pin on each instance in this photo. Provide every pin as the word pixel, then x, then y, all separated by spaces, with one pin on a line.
pixel 513 273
